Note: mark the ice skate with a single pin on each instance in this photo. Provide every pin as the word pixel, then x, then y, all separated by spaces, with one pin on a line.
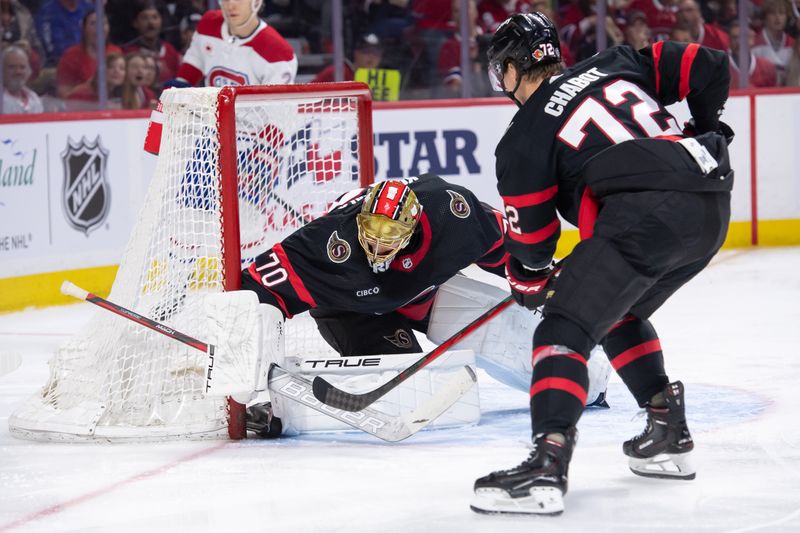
pixel 259 419
pixel 663 449
pixel 536 486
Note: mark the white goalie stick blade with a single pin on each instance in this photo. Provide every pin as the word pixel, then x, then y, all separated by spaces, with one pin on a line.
pixel 381 425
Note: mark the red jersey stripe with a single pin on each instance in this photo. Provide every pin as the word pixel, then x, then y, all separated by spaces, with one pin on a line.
pixel 536 236
pixel 563 384
pixel 656 60
pixel 297 284
pixel 255 275
pixel 686 67
pixel 632 354
pixel 530 199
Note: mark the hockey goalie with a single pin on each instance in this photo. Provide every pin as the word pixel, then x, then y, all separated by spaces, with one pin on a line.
pixel 383 263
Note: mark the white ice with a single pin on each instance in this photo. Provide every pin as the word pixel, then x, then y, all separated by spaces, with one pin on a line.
pixel 731 335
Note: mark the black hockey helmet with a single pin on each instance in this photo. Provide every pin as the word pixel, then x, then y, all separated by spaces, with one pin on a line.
pixel 527 40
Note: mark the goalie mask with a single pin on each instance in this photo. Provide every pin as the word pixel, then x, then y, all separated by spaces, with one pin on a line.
pixel 386 222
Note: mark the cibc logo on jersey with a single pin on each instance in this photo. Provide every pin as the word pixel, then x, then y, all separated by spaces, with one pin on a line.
pixel 86 194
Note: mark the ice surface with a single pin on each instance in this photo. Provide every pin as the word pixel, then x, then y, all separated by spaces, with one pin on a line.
pixel 731 335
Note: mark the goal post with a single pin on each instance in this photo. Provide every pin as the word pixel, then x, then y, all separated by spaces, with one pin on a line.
pixel 239 169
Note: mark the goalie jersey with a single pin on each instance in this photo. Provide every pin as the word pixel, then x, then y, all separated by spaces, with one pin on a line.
pixel 322 265
pixel 618 95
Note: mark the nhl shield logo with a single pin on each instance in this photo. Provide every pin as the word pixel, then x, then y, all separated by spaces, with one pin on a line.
pixel 338 249
pixel 458 204
pixel 86 194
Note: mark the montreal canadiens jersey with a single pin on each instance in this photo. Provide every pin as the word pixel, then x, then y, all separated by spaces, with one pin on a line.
pixel 322 265
pixel 219 59
pixel 617 95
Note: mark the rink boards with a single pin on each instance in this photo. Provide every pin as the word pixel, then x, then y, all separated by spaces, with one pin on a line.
pixel 71 185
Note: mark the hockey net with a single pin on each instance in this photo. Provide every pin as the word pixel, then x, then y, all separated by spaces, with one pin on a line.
pixel 238 170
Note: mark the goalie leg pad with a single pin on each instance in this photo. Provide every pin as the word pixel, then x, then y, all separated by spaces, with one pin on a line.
pixel 502 345
pixel 359 374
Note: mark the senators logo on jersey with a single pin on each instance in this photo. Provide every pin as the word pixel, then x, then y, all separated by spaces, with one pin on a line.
pixel 458 204
pixel 338 249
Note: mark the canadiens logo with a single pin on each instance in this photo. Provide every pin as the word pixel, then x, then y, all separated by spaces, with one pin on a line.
pixel 221 76
pixel 458 204
pixel 86 194
pixel 338 249
pixel 401 339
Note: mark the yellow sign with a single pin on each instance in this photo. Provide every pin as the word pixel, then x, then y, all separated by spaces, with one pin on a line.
pixel 384 83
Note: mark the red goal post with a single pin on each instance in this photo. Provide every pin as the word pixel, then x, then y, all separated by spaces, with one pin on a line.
pixel 239 168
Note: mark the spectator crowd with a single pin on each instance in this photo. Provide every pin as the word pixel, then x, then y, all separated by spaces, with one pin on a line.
pixel 49 47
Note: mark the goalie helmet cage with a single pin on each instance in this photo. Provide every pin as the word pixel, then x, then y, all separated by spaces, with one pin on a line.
pixel 239 169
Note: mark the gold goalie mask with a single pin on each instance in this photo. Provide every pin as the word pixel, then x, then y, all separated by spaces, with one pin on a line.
pixel 386 222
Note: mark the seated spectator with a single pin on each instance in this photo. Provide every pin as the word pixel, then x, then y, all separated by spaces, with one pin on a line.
pixel 681 34
pixel 661 16
pixel 16 27
pixel 773 43
pixel 58 23
pixel 187 27
pixel 147 23
pixel 793 67
pixel 135 92
pixel 586 44
pixel 433 27
pixel 17 97
pixel 637 32
pixel 79 63
pixel 491 13
pixel 450 59
pixel 389 19
pixel 367 53
pixel 85 95
pixel 152 75
pixel 762 73
pixel 702 33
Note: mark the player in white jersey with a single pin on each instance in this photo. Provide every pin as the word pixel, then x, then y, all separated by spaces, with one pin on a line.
pixel 232 46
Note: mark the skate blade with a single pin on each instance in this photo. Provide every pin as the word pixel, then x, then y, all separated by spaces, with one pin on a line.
pixel 545 501
pixel 664 466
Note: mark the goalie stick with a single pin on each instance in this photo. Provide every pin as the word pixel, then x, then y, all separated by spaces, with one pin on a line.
pixel 330 395
pixel 386 427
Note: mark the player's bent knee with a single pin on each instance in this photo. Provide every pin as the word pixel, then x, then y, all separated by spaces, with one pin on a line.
pixel 555 329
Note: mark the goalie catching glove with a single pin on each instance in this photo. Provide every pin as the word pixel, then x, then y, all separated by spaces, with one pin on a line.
pixel 530 287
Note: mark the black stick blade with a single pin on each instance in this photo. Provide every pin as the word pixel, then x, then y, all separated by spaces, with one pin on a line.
pixel 330 395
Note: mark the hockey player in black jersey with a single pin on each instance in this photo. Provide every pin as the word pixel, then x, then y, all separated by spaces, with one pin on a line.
pixel 595 144
pixel 369 269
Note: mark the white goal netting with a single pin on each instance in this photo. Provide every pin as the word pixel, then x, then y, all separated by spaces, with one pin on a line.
pixel 295 152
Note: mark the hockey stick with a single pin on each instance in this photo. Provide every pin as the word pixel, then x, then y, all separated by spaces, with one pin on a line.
pixel 387 427
pixel 70 289
pixel 330 395
pixel 376 423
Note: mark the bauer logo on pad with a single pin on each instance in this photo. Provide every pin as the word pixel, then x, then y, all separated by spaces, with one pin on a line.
pixel 86 194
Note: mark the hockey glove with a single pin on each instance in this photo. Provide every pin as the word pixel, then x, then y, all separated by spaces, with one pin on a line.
pixel 690 130
pixel 530 287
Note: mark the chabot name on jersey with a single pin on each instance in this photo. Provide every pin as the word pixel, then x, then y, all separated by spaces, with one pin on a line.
pixel 568 89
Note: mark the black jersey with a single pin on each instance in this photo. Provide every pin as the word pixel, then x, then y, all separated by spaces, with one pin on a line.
pixel 323 266
pixel 618 95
